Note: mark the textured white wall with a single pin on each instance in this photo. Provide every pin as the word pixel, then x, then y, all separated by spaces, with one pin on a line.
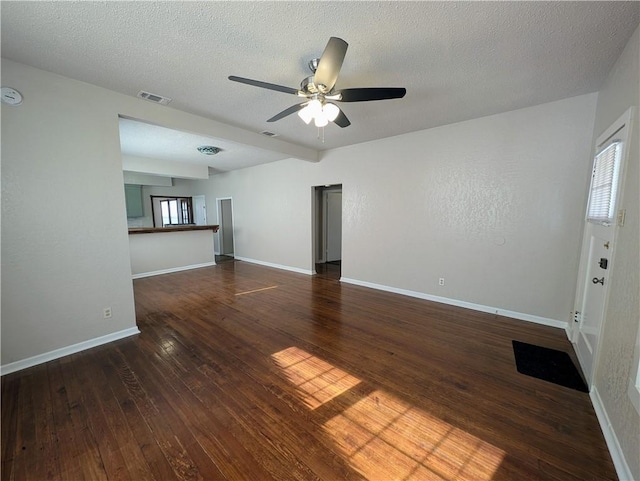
pixel 164 167
pixel 170 250
pixel 64 230
pixel 614 366
pixel 65 248
pixel 493 205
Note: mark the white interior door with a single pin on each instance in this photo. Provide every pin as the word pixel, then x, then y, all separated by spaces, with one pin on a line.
pixel 199 210
pixel 334 225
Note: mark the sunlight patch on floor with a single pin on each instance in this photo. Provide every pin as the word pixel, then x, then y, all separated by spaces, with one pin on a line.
pixel 319 380
pixel 382 436
pixel 385 437
pixel 255 290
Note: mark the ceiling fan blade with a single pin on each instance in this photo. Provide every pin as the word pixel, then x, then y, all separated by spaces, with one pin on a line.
pixel 330 64
pixel 264 85
pixel 371 93
pixel 341 120
pixel 291 110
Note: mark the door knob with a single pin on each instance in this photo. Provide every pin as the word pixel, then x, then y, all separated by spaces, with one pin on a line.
pixel 595 280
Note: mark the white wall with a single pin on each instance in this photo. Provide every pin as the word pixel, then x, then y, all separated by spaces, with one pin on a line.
pixel 493 205
pixel 65 249
pixel 64 238
pixel 148 165
pixel 170 251
pixel 615 364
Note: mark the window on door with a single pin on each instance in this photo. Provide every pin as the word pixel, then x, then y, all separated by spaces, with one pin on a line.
pixel 604 184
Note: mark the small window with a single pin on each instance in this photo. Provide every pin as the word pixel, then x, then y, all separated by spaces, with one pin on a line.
pixel 604 184
pixel 171 211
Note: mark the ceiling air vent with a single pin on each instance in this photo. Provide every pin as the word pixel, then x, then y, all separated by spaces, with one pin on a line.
pixel 268 134
pixel 158 99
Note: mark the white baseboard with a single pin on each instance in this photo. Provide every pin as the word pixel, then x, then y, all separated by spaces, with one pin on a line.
pixel 172 269
pixel 617 456
pixel 277 266
pixel 65 351
pixel 454 302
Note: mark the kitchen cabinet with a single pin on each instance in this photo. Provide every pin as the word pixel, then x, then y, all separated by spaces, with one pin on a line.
pixel 133 198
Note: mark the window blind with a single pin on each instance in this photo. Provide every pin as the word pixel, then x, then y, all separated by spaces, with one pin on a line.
pixel 604 184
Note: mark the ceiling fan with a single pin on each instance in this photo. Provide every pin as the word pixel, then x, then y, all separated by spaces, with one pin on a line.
pixel 319 92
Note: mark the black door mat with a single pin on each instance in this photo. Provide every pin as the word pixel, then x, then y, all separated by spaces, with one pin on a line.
pixel 547 364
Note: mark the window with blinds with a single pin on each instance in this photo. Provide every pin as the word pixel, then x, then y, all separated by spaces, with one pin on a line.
pixel 604 184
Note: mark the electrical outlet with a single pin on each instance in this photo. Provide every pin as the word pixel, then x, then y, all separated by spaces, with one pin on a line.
pixel 441 281
pixel 106 313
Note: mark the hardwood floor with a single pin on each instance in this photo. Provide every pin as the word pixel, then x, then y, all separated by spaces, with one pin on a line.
pixel 251 373
pixel 329 270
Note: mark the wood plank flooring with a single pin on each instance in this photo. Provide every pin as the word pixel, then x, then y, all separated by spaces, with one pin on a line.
pixel 250 373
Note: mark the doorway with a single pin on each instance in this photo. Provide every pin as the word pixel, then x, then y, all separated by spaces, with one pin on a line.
pixel 226 241
pixel 328 230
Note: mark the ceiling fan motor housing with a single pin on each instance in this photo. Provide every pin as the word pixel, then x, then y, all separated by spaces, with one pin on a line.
pixel 309 87
pixel 313 64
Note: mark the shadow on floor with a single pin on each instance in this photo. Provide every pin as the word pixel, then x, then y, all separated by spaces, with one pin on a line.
pixel 329 270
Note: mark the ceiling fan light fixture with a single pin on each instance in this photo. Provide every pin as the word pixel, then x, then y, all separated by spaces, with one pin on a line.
pixel 315 107
pixel 321 120
pixel 330 111
pixel 306 115
pixel 318 89
pixel 209 150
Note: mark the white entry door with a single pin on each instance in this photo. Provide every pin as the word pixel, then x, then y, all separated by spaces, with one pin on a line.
pixel 596 262
pixel 595 287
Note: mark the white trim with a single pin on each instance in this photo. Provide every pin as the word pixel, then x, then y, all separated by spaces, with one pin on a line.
pixel 454 302
pixel 172 269
pixel 617 455
pixel 277 266
pixel 634 379
pixel 65 351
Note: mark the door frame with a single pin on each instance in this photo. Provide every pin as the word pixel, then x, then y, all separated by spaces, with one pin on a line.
pixel 621 126
pixel 319 224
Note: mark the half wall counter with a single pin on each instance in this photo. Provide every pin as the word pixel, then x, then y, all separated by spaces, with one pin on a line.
pixel 162 250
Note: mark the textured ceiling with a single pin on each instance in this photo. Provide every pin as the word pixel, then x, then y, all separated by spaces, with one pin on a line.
pixel 457 60
pixel 142 139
